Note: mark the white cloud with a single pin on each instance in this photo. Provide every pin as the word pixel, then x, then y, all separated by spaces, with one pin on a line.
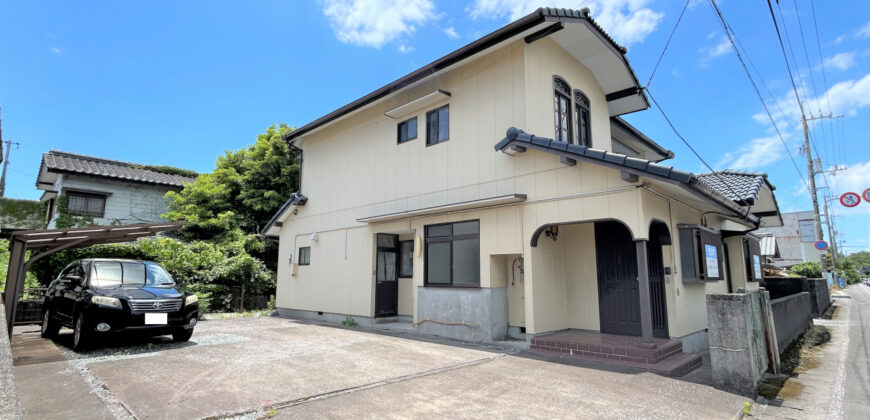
pixel 709 53
pixel 405 49
pixel 846 97
pixel 56 50
pixel 628 21
pixel 374 23
pixel 451 32
pixel 853 179
pixel 754 154
pixel 841 61
pixel 864 32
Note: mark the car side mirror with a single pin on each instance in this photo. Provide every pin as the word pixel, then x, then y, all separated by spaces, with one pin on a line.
pixel 74 279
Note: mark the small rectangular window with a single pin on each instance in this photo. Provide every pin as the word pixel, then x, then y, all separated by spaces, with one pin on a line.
pixel 437 125
pixel 406 259
pixel 305 255
pixel 86 204
pixel 407 130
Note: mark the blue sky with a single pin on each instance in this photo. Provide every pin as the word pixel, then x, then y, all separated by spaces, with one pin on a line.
pixel 177 83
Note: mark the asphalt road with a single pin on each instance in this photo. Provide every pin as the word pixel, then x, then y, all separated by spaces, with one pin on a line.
pixel 856 404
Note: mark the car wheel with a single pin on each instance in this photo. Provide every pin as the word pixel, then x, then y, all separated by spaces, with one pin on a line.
pixel 182 335
pixel 81 337
pixel 50 327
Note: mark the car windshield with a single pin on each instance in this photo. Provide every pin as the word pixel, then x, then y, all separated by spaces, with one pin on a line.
pixel 117 273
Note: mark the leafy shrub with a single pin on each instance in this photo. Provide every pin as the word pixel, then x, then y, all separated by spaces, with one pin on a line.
pixel 808 269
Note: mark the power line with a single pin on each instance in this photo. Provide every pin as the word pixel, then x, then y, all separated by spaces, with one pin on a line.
pixel 656 67
pixel 782 47
pixel 686 142
pixel 806 53
pixel 821 58
pixel 728 33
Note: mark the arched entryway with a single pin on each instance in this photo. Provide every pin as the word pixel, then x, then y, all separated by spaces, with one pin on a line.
pixel 618 296
pixel 658 236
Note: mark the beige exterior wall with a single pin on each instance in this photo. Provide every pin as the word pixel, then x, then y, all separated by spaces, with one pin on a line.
pixel 737 264
pixel 354 169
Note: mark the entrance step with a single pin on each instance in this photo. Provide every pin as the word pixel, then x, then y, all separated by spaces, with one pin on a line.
pixel 663 356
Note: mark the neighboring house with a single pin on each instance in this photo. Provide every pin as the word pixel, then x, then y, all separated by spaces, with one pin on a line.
pixel 496 192
pixel 795 239
pixel 103 190
pixel 17 214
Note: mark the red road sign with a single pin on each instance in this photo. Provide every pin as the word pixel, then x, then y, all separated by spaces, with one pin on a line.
pixel 866 195
pixel 821 245
pixel 850 199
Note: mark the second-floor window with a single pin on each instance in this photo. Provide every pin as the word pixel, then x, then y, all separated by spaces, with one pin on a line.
pixel 407 130
pixel 305 255
pixel 437 125
pixel 581 118
pixel 86 204
pixel 562 109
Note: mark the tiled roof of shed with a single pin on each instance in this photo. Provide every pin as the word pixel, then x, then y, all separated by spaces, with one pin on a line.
pixel 742 187
pixel 58 161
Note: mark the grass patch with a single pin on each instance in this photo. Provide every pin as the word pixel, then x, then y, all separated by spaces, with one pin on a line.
pixel 799 357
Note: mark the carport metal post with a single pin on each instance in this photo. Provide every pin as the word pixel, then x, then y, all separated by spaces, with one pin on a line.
pixel 646 329
pixel 14 287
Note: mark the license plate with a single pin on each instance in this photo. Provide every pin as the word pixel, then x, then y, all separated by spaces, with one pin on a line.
pixel 155 319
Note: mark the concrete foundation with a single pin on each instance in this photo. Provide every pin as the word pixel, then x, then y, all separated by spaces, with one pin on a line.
pixel 324 316
pixel 696 342
pixel 791 317
pixel 464 314
pixel 738 350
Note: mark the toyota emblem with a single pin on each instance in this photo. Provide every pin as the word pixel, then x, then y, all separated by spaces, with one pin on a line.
pixel 157 305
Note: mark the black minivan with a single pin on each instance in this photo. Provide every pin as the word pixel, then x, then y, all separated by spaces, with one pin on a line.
pixel 101 296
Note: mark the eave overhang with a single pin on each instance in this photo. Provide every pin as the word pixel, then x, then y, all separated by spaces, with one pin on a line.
pixel 446 208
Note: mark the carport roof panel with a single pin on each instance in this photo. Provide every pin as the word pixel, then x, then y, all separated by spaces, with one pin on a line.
pixel 90 235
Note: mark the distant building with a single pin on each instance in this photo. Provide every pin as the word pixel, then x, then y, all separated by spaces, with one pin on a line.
pixel 104 190
pixel 793 240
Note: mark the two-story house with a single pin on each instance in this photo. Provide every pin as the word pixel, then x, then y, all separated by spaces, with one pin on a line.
pixel 105 191
pixel 496 192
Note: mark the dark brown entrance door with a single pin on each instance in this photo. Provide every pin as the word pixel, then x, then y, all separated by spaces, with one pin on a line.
pixel 657 286
pixel 618 299
pixel 387 277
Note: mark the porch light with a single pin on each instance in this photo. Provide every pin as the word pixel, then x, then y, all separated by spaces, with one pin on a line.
pixel 552 232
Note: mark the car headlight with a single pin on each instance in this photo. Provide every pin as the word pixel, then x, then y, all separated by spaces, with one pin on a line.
pixel 191 300
pixel 107 301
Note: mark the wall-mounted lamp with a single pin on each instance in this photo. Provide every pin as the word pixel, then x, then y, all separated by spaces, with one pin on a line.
pixel 314 237
pixel 552 232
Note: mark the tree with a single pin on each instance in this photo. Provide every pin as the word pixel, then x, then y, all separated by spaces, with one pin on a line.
pixel 245 189
pixel 808 269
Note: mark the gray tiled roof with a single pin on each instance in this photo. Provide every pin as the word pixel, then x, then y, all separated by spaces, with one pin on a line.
pixel 516 138
pixel 58 161
pixel 742 187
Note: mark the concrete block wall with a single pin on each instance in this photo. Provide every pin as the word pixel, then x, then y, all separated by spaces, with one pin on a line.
pixel 791 317
pixel 738 350
pixel 820 296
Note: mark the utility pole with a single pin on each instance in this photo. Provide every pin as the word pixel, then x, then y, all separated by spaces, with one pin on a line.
pixel 831 235
pixel 812 175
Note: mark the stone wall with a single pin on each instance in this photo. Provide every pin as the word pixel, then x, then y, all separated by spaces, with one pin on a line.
pixel 736 333
pixel 465 314
pixel 820 296
pixel 9 406
pixel 791 317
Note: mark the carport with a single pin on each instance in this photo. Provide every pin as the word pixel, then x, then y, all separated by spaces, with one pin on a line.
pixel 57 240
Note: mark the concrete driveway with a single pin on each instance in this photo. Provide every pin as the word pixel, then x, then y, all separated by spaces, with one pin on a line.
pixel 242 367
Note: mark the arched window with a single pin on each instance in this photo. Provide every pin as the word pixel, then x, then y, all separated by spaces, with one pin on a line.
pixel 562 109
pixel 581 119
